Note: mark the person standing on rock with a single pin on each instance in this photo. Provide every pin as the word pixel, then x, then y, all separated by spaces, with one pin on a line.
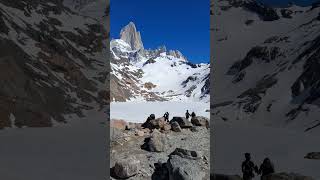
pixel 166 116
pixel 187 114
pixel 266 168
pixel 193 115
pixel 248 167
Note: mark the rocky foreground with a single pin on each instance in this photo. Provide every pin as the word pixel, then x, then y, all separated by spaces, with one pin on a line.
pixel 160 150
pixel 275 176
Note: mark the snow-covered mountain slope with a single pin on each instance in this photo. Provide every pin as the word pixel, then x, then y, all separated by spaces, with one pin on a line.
pixel 53 63
pixel 154 75
pixel 265 69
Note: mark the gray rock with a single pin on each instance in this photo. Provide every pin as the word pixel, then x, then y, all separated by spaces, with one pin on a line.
pixel 184 169
pixel 126 167
pixel 155 143
pixel 313 155
pixel 130 35
pixel 188 154
pixel 200 121
pixel 175 127
pixel 183 122
pixel 158 123
pixel 287 176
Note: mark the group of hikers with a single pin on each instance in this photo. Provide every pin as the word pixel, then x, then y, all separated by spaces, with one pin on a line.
pixel 248 168
pixel 166 115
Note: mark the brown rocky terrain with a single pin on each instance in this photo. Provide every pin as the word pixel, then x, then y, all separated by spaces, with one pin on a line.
pixel 159 150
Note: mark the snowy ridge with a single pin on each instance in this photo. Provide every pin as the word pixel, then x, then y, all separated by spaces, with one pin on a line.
pixel 155 75
pixel 53 63
pixel 270 74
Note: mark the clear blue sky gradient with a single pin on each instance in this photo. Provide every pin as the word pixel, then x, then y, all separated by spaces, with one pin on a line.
pixel 177 24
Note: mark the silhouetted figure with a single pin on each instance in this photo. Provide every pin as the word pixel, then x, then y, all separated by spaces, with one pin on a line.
pixel 151 117
pixel 193 115
pixel 166 116
pixel 248 167
pixel 266 168
pixel 187 114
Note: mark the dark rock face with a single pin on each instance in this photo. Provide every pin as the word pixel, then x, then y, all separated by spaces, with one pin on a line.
pixel 258 53
pixel 313 155
pixel 307 86
pixel 183 122
pixel 265 13
pixel 254 95
pixel 42 75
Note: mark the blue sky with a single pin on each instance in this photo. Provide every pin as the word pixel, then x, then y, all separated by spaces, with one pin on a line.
pixel 177 24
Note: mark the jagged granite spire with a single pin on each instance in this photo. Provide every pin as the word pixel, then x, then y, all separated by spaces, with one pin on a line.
pixel 130 35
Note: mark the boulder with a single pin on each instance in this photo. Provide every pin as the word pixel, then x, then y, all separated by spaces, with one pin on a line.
pixel 126 167
pixel 118 124
pixel 184 169
pixel 313 155
pixel 188 154
pixel 183 122
pixel 158 123
pixel 155 143
pixel 287 176
pixel 175 127
pixel 200 121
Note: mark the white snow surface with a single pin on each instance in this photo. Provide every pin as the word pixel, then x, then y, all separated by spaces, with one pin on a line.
pixel 285 148
pixel 139 111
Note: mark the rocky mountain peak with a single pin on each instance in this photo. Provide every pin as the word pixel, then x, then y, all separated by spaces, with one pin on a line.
pixel 130 35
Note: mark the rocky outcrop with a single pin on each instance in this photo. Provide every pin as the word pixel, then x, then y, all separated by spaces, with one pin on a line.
pixel 313 155
pixel 125 168
pixel 200 121
pixel 155 143
pixel 183 122
pixel 49 67
pixel 130 35
pixel 176 127
pixel 181 168
pixel 158 123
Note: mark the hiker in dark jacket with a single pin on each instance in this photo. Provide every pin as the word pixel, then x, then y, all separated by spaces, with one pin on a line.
pixel 266 168
pixel 248 168
pixel 187 114
pixel 193 115
pixel 166 116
